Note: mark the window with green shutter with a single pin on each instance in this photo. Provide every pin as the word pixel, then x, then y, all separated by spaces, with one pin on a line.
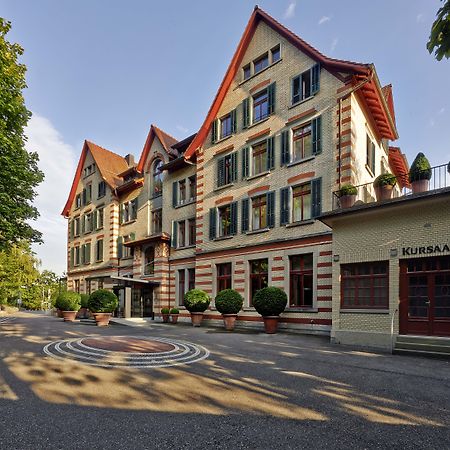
pixel 120 247
pixel 245 221
pixel 175 193
pixel 233 218
pixel 246 112
pixel 271 98
pixel 316 133
pixel 214 133
pixel 316 194
pixel 305 85
pixel 285 194
pixel 245 162
pixel 87 255
pixel 270 153
pixel 271 209
pixel 72 257
pixel 285 147
pixel 174 236
pixel 212 223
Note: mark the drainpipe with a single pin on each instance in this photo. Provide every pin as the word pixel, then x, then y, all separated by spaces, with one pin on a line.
pixel 340 99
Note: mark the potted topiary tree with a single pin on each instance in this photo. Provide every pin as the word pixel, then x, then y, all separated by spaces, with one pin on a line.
pixel 69 304
pixel 383 186
pixel 347 195
pixel 270 302
pixel 229 302
pixel 58 305
pixel 102 303
pixel 165 314
pixel 420 174
pixel 174 313
pixel 196 302
pixel 83 312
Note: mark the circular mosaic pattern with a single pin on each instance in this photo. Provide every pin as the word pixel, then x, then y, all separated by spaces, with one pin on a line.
pixel 126 351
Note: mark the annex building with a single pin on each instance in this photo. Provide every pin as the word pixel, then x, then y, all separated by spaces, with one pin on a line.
pixel 249 200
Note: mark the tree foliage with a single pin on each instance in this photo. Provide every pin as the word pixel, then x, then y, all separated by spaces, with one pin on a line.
pixel 19 172
pixel 440 33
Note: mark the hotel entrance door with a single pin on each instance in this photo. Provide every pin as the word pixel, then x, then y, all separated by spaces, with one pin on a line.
pixel 425 296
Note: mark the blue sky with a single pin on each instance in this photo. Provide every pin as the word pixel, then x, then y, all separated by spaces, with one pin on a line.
pixel 106 69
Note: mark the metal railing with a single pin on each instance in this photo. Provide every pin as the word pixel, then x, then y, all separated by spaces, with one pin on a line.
pixel 440 178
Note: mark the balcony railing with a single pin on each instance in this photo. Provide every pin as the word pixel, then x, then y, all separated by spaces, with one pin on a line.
pixel 440 178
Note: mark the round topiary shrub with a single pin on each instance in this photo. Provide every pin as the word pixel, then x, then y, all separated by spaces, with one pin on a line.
pixel 174 311
pixel 347 189
pixel 103 301
pixel 84 300
pixel 270 301
pixel 385 179
pixel 165 310
pixel 68 301
pixel 196 300
pixel 229 301
pixel 420 169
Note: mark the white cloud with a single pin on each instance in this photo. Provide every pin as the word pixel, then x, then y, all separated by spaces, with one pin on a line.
pixel 441 111
pixel 57 160
pixel 419 18
pixel 182 129
pixel 324 19
pixel 290 10
pixel 334 44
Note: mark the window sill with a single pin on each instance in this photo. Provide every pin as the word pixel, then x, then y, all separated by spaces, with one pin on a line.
pixel 262 230
pixel 99 260
pixel 369 170
pixel 254 124
pixel 155 196
pixel 185 247
pixel 219 141
pixel 223 238
pixel 219 188
pixel 364 311
pixel 300 161
pixel 259 73
pixel 299 224
pixel 190 202
pixel 98 229
pixel 300 309
pixel 98 198
pixel 294 105
pixel 129 222
pixel 259 175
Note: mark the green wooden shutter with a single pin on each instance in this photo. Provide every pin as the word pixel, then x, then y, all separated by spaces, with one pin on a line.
pixel 373 157
pixel 87 257
pixel 285 147
pixel 212 223
pixel 315 79
pixel 245 162
pixel 175 193
pixel 84 197
pixel 82 218
pixel 296 89
pixel 284 205
pixel 245 113
pixel 316 126
pixel 134 208
pixel 271 98
pixel 72 257
pixel 72 229
pixel 221 172
pixel 214 131
pixel 83 253
pixel 174 237
pixel 120 247
pixel 233 218
pixel 233 121
pixel 245 206
pixel 234 169
pixel 270 153
pixel 270 209
pixel 94 219
pixel 316 197
pixel 121 213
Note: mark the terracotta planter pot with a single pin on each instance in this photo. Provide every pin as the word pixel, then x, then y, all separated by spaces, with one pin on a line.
pixel 83 313
pixel 347 201
pixel 271 324
pixel 174 318
pixel 383 192
pixel 229 320
pixel 59 313
pixel 196 318
pixel 69 316
pixel 420 186
pixel 102 319
pixel 165 317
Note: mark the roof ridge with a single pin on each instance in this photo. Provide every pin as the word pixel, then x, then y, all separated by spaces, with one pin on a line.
pixel 104 149
pixel 165 132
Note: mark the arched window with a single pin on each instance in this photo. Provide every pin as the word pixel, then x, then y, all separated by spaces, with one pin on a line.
pixel 149 266
pixel 157 178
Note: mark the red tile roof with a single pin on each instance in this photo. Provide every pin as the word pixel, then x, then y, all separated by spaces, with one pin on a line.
pixel 399 165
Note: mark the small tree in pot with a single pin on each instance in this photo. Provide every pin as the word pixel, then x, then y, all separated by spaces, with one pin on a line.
pixel 83 313
pixel 347 195
pixel 196 302
pixel 174 313
pixel 165 314
pixel 102 303
pixel 69 304
pixel 383 186
pixel 270 302
pixel 420 174
pixel 229 302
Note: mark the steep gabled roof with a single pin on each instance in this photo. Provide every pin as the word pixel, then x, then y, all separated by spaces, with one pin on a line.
pixel 331 64
pixel 399 165
pixel 166 141
pixel 109 165
pixel 389 97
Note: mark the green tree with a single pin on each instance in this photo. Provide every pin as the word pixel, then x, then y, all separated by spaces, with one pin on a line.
pixel 440 33
pixel 19 172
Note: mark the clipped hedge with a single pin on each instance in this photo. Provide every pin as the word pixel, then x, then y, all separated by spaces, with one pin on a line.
pixel 348 189
pixel 68 301
pixel 102 301
pixel 84 300
pixel 229 301
pixel 174 311
pixel 420 168
pixel 270 301
pixel 196 300
pixel 165 310
pixel 385 179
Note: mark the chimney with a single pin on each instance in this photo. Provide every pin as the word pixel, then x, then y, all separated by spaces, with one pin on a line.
pixel 130 160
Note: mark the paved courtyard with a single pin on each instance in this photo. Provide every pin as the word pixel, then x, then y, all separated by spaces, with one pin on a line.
pixel 74 386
